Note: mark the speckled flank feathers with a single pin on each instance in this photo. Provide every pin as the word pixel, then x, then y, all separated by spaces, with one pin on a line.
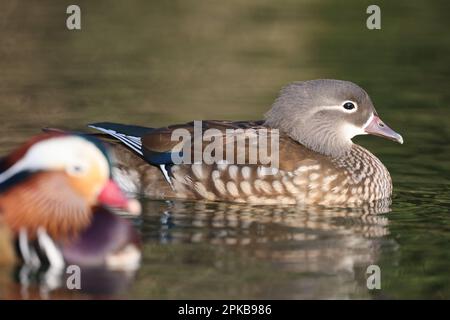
pixel 354 178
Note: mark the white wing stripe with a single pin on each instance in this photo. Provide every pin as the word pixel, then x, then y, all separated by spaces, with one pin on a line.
pixel 166 175
pixel 133 142
pixel 127 138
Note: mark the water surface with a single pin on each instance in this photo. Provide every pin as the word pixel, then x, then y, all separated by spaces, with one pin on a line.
pixel 154 63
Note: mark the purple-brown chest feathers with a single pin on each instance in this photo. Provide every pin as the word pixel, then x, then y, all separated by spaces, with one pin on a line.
pixel 45 201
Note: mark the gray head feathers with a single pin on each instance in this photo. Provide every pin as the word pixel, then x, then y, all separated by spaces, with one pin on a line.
pixel 312 113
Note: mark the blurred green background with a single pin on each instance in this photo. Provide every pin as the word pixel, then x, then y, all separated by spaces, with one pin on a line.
pixel 159 62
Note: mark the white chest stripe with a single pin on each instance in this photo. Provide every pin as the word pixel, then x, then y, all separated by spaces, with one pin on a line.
pixel 52 253
pixel 28 254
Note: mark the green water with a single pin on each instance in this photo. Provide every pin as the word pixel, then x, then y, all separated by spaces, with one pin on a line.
pixel 154 63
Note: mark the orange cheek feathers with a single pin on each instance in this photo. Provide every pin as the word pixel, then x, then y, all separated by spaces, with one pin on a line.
pixel 87 186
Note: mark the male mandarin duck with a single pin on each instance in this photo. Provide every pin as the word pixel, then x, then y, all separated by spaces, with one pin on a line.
pixel 52 192
pixel 314 122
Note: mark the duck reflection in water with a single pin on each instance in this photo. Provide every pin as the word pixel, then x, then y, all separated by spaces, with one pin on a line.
pixel 330 248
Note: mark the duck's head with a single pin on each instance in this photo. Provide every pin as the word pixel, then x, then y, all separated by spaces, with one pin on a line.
pixel 325 115
pixel 55 180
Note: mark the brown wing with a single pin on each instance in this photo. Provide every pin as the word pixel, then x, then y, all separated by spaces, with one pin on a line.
pixel 250 142
pixel 161 139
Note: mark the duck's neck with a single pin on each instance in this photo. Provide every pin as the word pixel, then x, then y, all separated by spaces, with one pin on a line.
pixel 320 140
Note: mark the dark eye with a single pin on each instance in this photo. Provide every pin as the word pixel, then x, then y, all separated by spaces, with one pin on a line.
pixel 349 106
pixel 76 169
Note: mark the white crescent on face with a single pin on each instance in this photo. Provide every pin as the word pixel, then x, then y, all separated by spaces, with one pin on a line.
pixel 72 154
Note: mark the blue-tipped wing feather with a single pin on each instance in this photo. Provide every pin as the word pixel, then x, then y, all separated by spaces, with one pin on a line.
pixel 131 137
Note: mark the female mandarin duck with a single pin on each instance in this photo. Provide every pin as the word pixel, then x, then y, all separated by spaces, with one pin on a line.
pixel 318 163
pixel 52 190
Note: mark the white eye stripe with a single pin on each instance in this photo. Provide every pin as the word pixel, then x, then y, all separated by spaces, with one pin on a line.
pixel 56 154
pixel 341 107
